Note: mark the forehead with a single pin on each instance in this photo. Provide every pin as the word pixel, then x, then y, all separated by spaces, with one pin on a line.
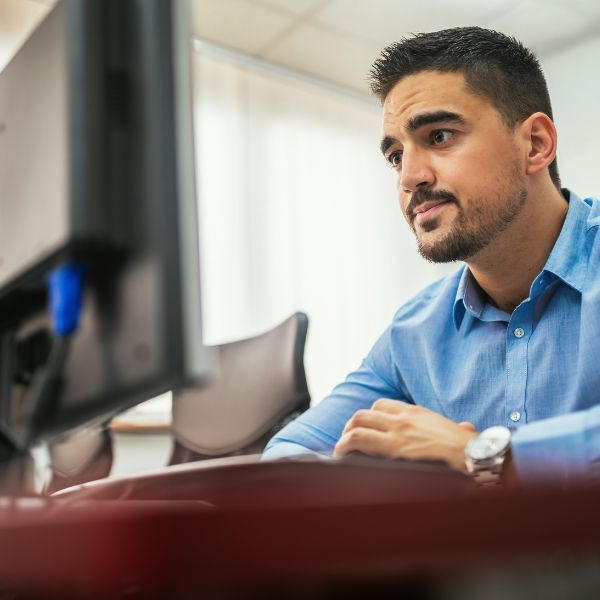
pixel 429 91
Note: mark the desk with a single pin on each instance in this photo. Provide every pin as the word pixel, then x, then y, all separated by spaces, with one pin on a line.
pixel 305 544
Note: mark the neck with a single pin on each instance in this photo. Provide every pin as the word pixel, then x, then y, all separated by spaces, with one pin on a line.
pixel 523 249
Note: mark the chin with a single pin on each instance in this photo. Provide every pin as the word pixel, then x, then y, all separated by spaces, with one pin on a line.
pixel 439 247
pixel 432 237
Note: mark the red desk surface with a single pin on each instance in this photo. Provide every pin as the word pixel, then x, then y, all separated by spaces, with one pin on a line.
pixel 309 529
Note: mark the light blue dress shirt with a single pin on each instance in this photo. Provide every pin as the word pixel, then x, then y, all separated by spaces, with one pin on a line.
pixel 536 370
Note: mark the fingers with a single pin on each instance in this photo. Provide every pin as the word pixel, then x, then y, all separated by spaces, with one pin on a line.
pixel 360 439
pixel 367 419
pixel 394 429
pixel 394 407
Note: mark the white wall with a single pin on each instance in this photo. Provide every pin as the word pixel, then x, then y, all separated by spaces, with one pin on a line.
pixel 574 85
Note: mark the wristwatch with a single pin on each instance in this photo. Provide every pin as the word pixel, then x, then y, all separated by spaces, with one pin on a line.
pixel 485 454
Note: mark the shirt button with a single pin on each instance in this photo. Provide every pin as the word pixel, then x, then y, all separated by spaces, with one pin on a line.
pixel 515 416
pixel 519 332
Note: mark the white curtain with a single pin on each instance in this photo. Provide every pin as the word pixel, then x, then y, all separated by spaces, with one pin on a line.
pixel 297 212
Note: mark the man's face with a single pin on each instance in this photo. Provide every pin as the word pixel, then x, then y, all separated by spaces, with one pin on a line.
pixel 461 179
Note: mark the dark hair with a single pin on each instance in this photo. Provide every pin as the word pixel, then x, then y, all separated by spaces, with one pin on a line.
pixel 495 66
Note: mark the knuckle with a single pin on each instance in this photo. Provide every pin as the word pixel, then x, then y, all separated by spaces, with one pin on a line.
pixel 401 421
pixel 379 403
pixel 359 416
pixel 355 435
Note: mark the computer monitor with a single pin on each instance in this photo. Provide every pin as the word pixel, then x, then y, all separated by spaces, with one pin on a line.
pixel 97 176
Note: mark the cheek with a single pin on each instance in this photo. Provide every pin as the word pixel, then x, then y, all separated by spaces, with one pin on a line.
pixel 456 168
pixel 398 184
pixel 464 176
pixel 478 164
pixel 403 200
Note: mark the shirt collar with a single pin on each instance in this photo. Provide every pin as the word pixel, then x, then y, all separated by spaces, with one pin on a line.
pixel 566 261
pixel 468 297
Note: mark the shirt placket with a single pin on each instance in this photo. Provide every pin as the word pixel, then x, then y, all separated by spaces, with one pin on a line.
pixel 518 333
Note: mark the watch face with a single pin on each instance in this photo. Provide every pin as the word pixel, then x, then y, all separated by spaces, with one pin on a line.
pixel 491 442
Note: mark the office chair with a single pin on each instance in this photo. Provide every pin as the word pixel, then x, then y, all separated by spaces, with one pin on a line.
pixel 79 456
pixel 260 386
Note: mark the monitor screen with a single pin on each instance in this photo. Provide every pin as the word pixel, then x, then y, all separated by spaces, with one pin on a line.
pixel 97 184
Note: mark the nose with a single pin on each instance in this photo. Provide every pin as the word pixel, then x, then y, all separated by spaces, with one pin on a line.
pixel 416 171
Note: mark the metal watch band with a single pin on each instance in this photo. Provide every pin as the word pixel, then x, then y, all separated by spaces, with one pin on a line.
pixel 486 471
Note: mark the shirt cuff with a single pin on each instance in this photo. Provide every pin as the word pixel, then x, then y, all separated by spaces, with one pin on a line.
pixel 287 450
pixel 551 451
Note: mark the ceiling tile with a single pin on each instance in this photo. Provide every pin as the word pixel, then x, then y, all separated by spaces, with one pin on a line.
pixel 386 21
pixel 326 55
pixel 236 23
pixel 556 25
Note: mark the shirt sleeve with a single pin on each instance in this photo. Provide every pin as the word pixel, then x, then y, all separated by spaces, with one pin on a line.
pixel 563 449
pixel 318 429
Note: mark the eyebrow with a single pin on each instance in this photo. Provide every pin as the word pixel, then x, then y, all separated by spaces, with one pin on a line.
pixel 439 116
pixel 418 121
pixel 386 143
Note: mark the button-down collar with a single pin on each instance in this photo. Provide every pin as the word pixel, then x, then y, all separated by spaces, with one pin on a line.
pixel 566 262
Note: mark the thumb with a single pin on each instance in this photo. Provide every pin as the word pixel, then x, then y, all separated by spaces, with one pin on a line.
pixel 467 425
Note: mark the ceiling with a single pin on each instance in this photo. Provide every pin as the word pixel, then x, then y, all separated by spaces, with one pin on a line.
pixel 337 40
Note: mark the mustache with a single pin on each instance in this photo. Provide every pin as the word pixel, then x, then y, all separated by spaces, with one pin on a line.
pixel 425 195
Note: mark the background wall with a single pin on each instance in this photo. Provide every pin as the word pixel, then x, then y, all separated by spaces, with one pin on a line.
pixel 575 93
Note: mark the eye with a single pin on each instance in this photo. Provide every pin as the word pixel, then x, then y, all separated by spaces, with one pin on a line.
pixel 395 158
pixel 439 136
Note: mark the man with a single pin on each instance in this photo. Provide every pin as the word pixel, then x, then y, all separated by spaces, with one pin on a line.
pixel 511 338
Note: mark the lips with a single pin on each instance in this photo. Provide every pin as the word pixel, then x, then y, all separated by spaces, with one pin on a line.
pixel 427 206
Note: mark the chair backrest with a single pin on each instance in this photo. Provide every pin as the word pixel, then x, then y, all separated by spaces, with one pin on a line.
pixel 260 385
pixel 80 456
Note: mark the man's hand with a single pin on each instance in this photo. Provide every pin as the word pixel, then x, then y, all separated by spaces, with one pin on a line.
pixel 394 429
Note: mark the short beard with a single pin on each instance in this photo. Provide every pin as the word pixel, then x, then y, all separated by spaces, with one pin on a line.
pixel 469 234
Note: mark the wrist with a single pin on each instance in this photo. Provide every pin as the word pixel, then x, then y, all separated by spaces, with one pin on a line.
pixel 485 455
pixel 468 433
pixel 458 460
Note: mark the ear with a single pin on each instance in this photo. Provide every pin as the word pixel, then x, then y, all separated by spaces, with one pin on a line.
pixel 539 134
